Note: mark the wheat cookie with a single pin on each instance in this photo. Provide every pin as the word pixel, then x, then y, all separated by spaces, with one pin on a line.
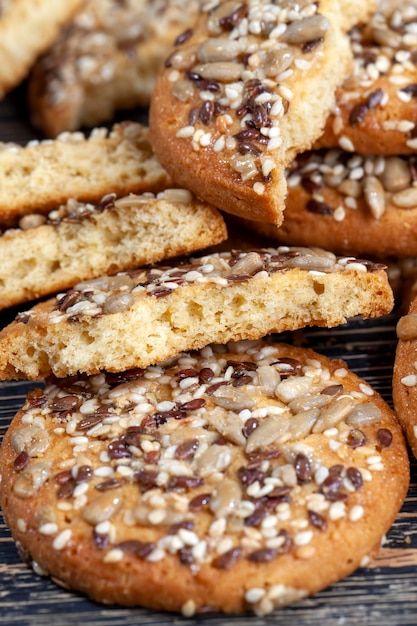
pixel 107 58
pixel 137 318
pixel 350 204
pixel 28 28
pixel 404 385
pixel 241 94
pixel 237 478
pixel 81 241
pixel 376 105
pixel 41 175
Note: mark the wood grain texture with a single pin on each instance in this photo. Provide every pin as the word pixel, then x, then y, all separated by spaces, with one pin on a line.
pixel 382 594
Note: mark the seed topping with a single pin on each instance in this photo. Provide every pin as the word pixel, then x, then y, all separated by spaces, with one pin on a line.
pixel 109 295
pixel 158 454
pixel 241 71
pixel 376 182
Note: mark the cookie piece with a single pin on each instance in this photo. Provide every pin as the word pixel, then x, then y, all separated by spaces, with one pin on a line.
pixel 106 59
pixel 82 241
pixel 28 28
pixel 376 106
pixel 350 204
pixel 222 480
pixel 141 317
pixel 404 384
pixel 41 175
pixel 241 94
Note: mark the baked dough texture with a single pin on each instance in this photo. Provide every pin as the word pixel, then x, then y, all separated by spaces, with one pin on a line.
pixel 242 93
pixel 350 204
pixel 81 241
pixel 376 105
pixel 106 59
pixel 138 318
pixel 41 175
pixel 28 28
pixel 237 478
pixel 404 384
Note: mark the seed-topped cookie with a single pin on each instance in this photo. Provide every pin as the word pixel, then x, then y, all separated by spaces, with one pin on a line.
pixel 237 478
pixel 79 241
pixel 376 106
pixel 28 28
pixel 404 384
pixel 137 318
pixel 41 175
pixel 242 93
pixel 106 59
pixel 350 204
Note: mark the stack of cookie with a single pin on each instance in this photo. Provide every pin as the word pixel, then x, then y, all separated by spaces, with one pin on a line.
pixel 178 457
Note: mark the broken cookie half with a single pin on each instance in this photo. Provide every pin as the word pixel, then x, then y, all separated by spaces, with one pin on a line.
pixel 141 317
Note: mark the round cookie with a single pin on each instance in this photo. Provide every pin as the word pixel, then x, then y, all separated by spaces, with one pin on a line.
pixel 350 204
pixel 240 477
pixel 376 105
pixel 141 317
pixel 404 386
pixel 243 92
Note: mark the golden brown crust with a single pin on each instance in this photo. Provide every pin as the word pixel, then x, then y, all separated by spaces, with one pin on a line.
pixel 79 242
pixel 376 106
pixel 404 382
pixel 28 28
pixel 212 90
pixel 313 502
pixel 350 204
pixel 145 316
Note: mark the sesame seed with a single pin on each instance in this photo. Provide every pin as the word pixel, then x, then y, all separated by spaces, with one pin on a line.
pixel 303 538
pixel 337 511
pixel 259 188
pixel 113 556
pixel 356 513
pixel 189 608
pixel 62 539
pixel 48 528
pixel 346 144
pixel 254 594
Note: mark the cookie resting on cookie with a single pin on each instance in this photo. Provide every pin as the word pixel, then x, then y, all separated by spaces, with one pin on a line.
pixel 41 175
pixel 137 318
pixel 79 241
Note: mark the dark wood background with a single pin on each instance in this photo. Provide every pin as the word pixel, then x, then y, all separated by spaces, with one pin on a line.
pixel 382 594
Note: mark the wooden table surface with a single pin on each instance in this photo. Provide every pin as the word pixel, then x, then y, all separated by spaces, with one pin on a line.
pixel 382 594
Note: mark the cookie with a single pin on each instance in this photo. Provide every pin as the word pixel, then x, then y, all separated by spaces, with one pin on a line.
pixel 237 478
pixel 81 241
pixel 41 175
pixel 105 60
pixel 241 94
pixel 404 384
pixel 28 28
pixel 350 204
pixel 138 318
pixel 376 105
